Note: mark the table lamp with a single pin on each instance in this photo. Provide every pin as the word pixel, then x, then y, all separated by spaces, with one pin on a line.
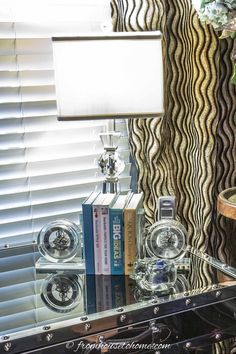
pixel 117 75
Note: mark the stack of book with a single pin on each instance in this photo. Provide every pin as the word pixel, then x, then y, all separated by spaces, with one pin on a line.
pixel 110 228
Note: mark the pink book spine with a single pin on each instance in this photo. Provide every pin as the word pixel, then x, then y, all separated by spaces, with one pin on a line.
pixel 97 239
pixel 105 235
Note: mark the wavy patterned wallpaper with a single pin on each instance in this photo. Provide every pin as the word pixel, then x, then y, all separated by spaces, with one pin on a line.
pixel 191 151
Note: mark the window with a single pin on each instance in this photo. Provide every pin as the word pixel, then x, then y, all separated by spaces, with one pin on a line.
pixel 47 167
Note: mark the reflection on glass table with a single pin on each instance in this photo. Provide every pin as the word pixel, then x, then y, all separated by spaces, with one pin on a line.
pixel 33 298
pixel 63 292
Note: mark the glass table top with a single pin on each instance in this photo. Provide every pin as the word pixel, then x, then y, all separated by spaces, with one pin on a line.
pixel 33 295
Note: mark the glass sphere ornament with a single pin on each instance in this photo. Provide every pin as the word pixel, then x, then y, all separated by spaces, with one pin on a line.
pixel 111 164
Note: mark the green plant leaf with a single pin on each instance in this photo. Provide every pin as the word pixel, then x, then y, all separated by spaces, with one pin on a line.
pixel 205 2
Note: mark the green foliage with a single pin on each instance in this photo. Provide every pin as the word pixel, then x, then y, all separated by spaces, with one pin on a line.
pixel 205 2
pixel 229 4
pixel 214 13
pixel 218 13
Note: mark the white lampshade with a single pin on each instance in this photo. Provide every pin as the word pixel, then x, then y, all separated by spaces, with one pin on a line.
pixel 113 76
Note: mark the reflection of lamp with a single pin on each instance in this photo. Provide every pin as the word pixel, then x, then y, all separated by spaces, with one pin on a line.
pixel 119 75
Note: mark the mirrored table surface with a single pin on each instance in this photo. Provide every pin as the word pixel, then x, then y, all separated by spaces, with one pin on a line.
pixel 63 300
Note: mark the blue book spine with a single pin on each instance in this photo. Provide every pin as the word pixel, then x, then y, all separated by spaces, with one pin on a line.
pixel 117 241
pixel 91 294
pixel 88 238
pixel 118 291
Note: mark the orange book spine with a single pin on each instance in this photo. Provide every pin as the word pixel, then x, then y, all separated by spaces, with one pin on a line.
pixel 129 239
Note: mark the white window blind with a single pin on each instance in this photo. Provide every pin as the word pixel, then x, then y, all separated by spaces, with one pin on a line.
pixel 47 167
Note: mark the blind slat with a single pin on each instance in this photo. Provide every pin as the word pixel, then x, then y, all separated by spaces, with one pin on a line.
pixel 17 276
pixel 41 168
pixel 12 263
pixel 26 78
pixel 13 156
pixel 20 290
pixel 49 123
pixel 46 140
pixel 45 29
pixel 17 306
pixel 45 11
pixel 26 62
pixel 27 94
pixel 24 47
pixel 18 230
pixel 15 110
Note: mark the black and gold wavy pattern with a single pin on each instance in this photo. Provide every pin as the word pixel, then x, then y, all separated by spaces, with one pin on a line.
pixel 191 151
